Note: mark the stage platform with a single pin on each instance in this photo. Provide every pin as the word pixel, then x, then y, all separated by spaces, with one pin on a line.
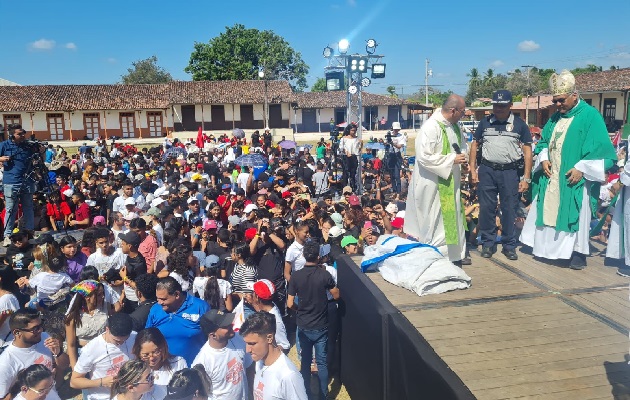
pixel 528 329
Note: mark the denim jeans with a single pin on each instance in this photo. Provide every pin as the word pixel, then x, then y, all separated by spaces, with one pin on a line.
pixel 12 198
pixel 319 339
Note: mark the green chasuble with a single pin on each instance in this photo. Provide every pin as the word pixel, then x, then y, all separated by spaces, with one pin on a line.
pixel 446 189
pixel 586 139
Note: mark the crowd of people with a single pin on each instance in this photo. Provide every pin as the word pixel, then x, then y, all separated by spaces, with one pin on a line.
pixel 176 271
pixel 188 270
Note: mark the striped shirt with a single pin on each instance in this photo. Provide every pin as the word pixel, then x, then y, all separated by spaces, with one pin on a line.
pixel 241 275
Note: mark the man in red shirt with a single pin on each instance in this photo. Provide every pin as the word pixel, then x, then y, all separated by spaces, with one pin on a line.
pixel 81 212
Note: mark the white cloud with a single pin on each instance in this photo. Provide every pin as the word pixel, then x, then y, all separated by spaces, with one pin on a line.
pixel 71 46
pixel 42 44
pixel 111 60
pixel 442 74
pixel 528 45
pixel 496 63
pixel 623 55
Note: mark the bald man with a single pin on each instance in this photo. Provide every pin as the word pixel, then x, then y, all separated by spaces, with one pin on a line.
pixel 433 213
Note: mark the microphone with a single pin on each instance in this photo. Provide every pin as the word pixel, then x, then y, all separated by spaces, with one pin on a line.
pixel 455 147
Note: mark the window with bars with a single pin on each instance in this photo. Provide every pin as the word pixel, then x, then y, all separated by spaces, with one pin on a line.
pixel 12 119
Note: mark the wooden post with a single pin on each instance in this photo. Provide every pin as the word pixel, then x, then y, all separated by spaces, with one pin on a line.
pixel 70 119
pixel 32 126
pixel 105 124
pixel 233 123
pixel 166 115
pixel 140 122
pixel 202 121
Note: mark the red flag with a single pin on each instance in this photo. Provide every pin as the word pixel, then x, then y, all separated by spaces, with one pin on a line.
pixel 199 141
pixel 617 138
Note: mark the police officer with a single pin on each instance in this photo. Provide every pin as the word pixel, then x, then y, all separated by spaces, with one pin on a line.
pixel 505 143
pixel 395 160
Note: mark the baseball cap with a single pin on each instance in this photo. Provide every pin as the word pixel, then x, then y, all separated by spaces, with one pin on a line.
pixel 99 220
pixel 157 201
pixel 354 200
pixel 211 261
pixel 338 218
pixel 336 231
pixel 210 224
pixel 398 223
pixel 250 233
pixel 215 319
pixel 249 208
pixel 183 189
pixel 191 199
pixel 153 212
pixel 234 220
pixel 502 97
pixel 266 185
pixel 195 220
pixel 348 240
pixel 346 189
pixel 199 165
pixel 391 208
pixel 130 201
pixel 131 238
pixel 226 186
pixel 130 216
pixel 263 288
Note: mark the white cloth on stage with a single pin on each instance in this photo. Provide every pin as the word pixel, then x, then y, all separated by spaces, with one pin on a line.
pixel 423 218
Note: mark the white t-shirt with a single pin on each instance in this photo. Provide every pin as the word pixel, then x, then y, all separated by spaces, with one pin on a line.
pixel 280 380
pixel 103 359
pixel 226 369
pixel 163 377
pixel 14 359
pixel 281 330
pixel 199 287
pixel 241 181
pixel 332 271
pixel 8 305
pixel 104 263
pixel 49 283
pixel 185 283
pixel 295 256
pixel 116 243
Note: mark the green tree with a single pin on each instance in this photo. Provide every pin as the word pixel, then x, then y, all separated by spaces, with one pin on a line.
pixel 240 53
pixel 319 85
pixel 392 91
pixel 146 71
pixel 587 69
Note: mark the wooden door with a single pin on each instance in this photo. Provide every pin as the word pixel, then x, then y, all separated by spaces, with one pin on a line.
pixel 154 120
pixel 91 124
pixel 127 125
pixel 55 126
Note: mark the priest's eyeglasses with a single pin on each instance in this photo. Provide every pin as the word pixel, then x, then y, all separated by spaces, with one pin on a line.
pixel 560 100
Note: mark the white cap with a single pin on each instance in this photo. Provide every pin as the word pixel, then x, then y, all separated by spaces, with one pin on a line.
pixel 130 216
pixel 249 208
pixel 67 192
pixel 396 125
pixel 400 214
pixel 157 201
pixel 391 208
pixel 191 199
pixel 336 231
pixel 130 201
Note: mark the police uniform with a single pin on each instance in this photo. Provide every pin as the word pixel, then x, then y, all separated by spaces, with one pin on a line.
pixel 501 157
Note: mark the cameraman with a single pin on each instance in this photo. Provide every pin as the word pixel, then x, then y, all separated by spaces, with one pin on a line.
pixel 397 142
pixel 17 154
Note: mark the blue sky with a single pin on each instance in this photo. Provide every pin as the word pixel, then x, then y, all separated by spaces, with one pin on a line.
pixel 85 42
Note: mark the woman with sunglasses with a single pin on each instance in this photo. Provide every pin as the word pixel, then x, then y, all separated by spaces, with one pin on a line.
pixel 134 379
pixel 32 383
pixel 151 347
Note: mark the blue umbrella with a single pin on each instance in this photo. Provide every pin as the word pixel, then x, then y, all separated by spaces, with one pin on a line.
pixel 238 133
pixel 251 160
pixel 375 146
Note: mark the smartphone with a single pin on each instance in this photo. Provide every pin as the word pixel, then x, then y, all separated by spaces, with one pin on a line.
pixel 367 225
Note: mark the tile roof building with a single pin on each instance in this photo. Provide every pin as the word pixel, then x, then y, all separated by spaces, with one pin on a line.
pixel 55 112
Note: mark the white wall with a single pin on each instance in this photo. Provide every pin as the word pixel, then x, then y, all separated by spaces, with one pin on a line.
pixel 259 113
pixel 621 106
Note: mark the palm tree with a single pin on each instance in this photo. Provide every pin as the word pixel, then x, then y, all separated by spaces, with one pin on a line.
pixel 489 77
pixel 475 80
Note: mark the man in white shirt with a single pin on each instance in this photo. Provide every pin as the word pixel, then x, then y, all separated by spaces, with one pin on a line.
pixel 276 376
pixel 242 179
pixel 263 292
pixel 30 346
pixel 103 356
pixel 224 358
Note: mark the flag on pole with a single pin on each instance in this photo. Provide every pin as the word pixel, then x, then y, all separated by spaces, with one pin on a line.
pixel 199 141
pixel 617 138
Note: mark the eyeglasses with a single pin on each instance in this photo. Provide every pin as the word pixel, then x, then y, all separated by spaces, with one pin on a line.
pixel 150 379
pixel 155 353
pixel 560 100
pixel 36 328
pixel 43 391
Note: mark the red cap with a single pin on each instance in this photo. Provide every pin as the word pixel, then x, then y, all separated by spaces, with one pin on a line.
pixel 263 288
pixel 286 194
pixel 354 200
pixel 250 233
pixel 398 223
pixel 199 165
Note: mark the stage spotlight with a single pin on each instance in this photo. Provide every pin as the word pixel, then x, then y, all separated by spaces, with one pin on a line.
pixel 370 46
pixel 328 52
pixel 365 82
pixel 353 89
pixel 358 63
pixel 344 45
pixel 378 71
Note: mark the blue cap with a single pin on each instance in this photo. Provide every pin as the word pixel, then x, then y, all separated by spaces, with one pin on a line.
pixel 502 97
pixel 195 219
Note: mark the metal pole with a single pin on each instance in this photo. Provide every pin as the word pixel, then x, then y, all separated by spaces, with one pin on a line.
pixel 266 105
pixel 426 81
pixel 527 95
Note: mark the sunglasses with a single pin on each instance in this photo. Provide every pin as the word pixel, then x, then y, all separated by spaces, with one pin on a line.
pixel 42 391
pixel 560 100
pixel 36 328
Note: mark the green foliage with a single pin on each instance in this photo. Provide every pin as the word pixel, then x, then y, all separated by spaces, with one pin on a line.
pixel 319 85
pixel 392 91
pixel 240 53
pixel 146 71
pixel 436 97
pixel 587 69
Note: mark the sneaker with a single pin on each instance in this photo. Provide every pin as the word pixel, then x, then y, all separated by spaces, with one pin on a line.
pixel 486 252
pixel 578 261
pixel 466 261
pixel 510 254
pixel 6 242
pixel 624 271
